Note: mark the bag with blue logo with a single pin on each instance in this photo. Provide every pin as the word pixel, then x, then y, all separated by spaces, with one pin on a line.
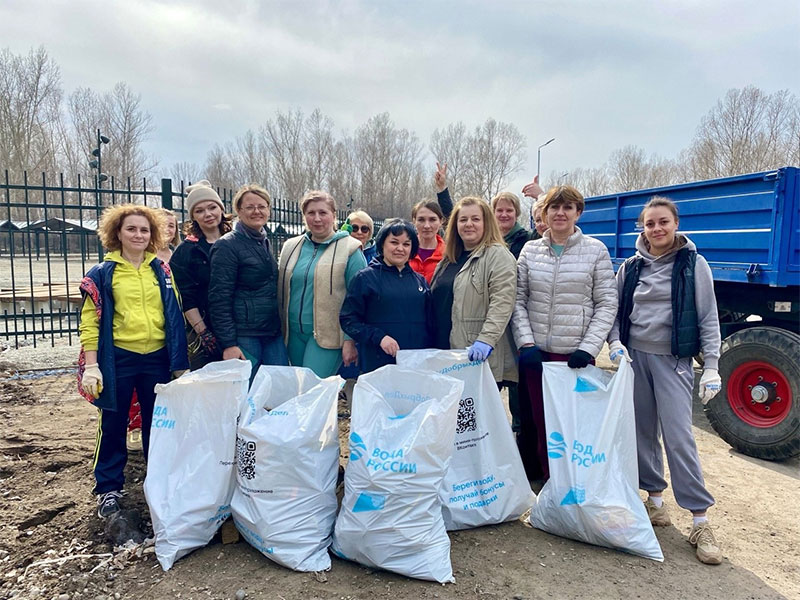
pixel 287 457
pixel 190 471
pixel 401 442
pixel 486 481
pixel 592 494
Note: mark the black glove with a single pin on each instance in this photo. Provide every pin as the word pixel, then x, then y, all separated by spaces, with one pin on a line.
pixel 530 358
pixel 208 342
pixel 579 359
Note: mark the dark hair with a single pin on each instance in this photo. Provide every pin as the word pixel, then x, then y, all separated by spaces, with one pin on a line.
pixel 192 227
pixel 397 227
pixel 431 205
pixel 655 202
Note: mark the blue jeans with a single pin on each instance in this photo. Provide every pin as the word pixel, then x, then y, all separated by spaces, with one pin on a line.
pixel 263 351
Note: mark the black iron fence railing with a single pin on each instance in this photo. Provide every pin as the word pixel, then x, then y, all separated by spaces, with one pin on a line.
pixel 48 240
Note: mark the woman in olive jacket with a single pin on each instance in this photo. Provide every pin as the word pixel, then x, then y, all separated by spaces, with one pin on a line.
pixel 473 289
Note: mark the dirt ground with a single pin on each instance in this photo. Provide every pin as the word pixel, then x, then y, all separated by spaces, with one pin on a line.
pixel 48 513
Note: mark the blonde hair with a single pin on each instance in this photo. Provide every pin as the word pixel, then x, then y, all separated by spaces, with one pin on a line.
pixel 510 198
pixel 250 188
pixel 454 245
pixel 360 215
pixel 313 196
pixel 111 223
pixel 176 239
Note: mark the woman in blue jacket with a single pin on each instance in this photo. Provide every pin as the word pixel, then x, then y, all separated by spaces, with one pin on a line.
pixel 387 306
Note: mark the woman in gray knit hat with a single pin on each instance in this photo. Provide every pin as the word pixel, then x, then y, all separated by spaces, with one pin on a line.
pixel 667 314
pixel 191 267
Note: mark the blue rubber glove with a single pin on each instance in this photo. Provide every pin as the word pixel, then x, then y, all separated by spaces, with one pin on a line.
pixel 479 351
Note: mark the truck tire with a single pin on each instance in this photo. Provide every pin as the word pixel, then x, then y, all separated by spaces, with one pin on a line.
pixel 758 409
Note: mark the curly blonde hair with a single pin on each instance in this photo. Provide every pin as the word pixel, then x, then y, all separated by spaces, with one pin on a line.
pixel 111 223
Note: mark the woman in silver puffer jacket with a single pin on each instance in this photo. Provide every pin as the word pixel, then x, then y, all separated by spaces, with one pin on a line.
pixel 565 307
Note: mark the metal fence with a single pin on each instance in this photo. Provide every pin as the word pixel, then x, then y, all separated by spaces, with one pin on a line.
pixel 48 240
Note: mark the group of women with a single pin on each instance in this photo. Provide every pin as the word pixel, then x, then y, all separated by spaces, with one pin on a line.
pixel 511 297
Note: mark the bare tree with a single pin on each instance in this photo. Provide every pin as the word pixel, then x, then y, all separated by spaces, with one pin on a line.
pixel 451 145
pixel 389 166
pixel 118 114
pixel 30 96
pixel 748 130
pixel 186 172
pixel 283 138
pixel 343 177
pixel 318 144
pixel 496 151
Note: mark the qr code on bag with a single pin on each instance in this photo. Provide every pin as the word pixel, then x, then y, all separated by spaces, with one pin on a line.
pixel 246 458
pixel 466 416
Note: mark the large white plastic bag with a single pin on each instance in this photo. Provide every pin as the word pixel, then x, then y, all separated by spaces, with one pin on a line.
pixel 401 440
pixel 591 439
pixel 486 481
pixel 284 503
pixel 190 468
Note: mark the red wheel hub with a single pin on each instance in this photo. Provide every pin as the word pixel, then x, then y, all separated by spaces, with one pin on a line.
pixel 759 394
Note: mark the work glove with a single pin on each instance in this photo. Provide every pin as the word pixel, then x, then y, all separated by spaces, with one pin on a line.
pixel 579 359
pixel 92 380
pixel 179 372
pixel 616 352
pixel 531 358
pixel 208 342
pixel 710 385
pixel 479 351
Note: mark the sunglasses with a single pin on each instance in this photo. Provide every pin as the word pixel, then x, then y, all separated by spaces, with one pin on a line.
pixel 361 228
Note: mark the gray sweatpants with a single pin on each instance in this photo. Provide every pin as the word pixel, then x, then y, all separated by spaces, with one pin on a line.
pixel 662 401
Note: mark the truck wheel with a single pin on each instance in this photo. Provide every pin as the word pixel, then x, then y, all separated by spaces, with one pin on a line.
pixel 758 410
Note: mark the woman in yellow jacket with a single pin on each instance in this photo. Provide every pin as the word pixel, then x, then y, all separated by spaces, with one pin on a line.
pixel 132 338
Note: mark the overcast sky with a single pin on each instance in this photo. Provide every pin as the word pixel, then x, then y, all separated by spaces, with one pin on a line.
pixel 596 75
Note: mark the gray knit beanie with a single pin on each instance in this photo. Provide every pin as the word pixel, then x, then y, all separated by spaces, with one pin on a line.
pixel 200 192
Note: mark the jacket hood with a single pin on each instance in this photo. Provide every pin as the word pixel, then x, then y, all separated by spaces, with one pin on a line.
pixel 681 241
pixel 514 232
pixel 336 236
pixel 116 256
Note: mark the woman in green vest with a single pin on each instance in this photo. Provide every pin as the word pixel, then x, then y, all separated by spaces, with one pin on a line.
pixel 315 270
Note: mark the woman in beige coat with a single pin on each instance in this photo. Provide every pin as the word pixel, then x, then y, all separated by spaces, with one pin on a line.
pixel 473 289
pixel 565 307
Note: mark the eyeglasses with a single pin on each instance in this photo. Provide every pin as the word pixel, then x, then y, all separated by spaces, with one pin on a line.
pixel 361 228
pixel 251 209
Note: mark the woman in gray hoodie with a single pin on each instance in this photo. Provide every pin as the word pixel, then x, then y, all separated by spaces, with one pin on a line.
pixel 667 314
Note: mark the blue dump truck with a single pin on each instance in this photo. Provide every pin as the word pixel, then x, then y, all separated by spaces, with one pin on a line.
pixel 748 228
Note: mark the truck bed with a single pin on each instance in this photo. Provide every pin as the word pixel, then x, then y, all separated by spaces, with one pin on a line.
pixel 747 227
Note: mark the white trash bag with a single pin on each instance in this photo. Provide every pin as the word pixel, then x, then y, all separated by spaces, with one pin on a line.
pixel 190 468
pixel 486 481
pixel 592 494
pixel 401 441
pixel 288 460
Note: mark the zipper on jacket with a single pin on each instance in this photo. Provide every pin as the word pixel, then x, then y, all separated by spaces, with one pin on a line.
pixel 553 299
pixel 144 303
pixel 305 285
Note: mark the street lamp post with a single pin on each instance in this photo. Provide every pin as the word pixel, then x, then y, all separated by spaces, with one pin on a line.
pixel 97 161
pixel 539 157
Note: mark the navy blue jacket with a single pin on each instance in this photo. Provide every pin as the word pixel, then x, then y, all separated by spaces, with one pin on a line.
pixel 97 284
pixel 384 301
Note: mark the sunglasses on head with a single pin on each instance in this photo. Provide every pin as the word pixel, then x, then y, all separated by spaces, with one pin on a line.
pixel 361 228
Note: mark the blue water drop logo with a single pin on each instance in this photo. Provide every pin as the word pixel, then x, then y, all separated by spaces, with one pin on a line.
pixel 357 446
pixel 556 446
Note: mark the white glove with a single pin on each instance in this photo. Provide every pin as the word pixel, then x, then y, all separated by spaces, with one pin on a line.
pixel 616 352
pixel 92 381
pixel 710 385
